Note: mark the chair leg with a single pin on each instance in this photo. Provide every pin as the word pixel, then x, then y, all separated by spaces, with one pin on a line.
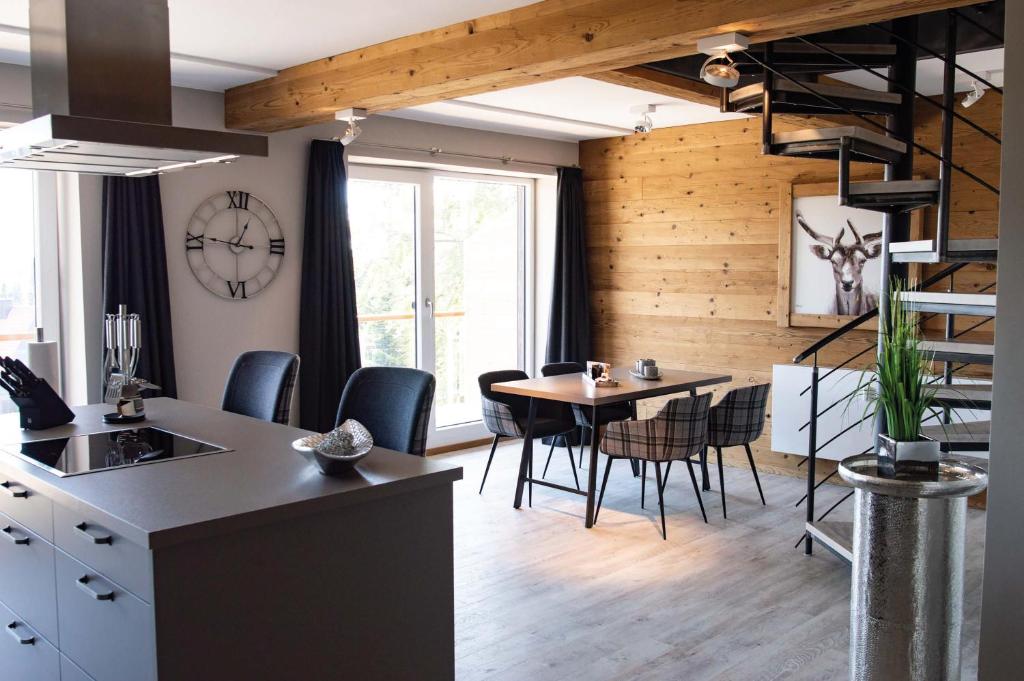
pixel 572 461
pixel 494 445
pixel 664 481
pixel 550 452
pixel 583 442
pixel 643 482
pixel 635 467
pixel 604 483
pixel 696 490
pixel 753 468
pixel 721 478
pixel 661 498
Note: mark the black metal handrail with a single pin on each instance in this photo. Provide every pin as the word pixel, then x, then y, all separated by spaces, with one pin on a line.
pixel 909 142
pixel 935 54
pixel 870 314
pixel 909 90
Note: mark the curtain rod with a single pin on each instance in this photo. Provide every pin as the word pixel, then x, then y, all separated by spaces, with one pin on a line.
pixel 438 151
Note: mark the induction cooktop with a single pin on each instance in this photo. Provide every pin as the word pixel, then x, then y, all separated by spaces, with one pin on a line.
pixel 95 452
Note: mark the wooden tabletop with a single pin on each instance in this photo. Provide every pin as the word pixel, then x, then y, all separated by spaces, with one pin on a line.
pixel 572 388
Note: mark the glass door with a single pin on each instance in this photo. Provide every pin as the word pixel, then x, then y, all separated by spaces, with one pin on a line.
pixel 440 281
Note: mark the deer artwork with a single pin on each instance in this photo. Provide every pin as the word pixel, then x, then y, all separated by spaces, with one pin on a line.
pixel 847 267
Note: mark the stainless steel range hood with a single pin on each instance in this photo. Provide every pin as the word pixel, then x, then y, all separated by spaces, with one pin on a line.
pixel 101 94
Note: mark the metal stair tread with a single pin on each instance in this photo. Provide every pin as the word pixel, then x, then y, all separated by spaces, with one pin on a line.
pixel 788 47
pixel 837 134
pixel 894 187
pixel 835 535
pixel 972 435
pixel 825 90
pixel 977 395
pixel 957 250
pixel 975 353
pixel 972 304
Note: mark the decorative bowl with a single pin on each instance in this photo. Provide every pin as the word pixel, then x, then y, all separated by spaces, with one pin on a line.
pixel 339 450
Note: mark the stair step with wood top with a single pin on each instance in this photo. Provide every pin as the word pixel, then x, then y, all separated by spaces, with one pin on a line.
pixel 974 304
pixel 958 351
pixel 790 97
pixel 965 396
pixel 824 143
pixel 972 436
pixel 957 250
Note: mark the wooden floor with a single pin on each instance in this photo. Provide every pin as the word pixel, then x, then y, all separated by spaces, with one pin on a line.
pixel 538 597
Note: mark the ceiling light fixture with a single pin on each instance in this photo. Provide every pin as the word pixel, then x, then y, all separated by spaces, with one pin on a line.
pixel 352 131
pixel 645 124
pixel 976 93
pixel 719 68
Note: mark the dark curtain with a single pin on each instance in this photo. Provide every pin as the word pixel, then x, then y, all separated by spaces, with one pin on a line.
pixel 569 326
pixel 135 271
pixel 328 330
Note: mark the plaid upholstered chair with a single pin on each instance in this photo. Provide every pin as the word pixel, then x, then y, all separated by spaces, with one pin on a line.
pixel 676 433
pixel 393 403
pixel 607 414
pixel 260 385
pixel 506 416
pixel 737 420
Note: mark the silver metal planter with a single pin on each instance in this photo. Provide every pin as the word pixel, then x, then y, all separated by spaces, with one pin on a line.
pixel 906 602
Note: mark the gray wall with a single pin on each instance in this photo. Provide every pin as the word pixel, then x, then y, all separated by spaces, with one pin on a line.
pixel 1001 652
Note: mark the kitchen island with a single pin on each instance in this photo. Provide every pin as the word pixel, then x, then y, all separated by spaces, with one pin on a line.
pixel 245 564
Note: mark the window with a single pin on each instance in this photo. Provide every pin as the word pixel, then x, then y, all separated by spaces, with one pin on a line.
pixel 440 262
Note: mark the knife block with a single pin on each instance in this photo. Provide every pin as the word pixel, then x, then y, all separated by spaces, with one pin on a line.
pixel 43 408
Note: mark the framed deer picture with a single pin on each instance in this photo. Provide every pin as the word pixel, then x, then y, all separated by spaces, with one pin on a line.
pixel 829 257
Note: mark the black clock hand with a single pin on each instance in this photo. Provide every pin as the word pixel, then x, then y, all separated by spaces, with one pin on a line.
pixel 228 243
pixel 238 241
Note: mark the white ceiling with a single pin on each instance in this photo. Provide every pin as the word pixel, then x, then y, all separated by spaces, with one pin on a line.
pixel 248 39
pixel 572 109
pixel 988 64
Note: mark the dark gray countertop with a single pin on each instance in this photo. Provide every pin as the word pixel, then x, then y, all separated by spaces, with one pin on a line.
pixel 261 480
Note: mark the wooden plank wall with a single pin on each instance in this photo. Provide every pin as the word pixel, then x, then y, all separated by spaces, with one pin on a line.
pixel 683 228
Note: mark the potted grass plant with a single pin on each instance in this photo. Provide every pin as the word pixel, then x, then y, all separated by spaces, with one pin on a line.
pixel 903 392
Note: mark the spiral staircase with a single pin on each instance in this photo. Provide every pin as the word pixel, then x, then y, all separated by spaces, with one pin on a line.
pixel 875 127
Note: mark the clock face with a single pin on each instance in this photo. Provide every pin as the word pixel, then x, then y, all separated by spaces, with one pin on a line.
pixel 234 245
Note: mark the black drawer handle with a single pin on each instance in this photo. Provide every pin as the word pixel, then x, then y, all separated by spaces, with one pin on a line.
pixel 83 530
pixel 83 584
pixel 14 494
pixel 12 629
pixel 8 533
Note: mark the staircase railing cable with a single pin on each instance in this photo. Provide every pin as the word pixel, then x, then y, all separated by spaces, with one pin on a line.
pixel 909 90
pixel 923 149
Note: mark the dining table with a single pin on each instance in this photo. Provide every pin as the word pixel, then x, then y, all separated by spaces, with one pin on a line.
pixel 577 389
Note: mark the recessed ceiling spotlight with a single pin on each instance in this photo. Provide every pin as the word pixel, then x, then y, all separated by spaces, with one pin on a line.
pixel 719 68
pixel 645 124
pixel 972 97
pixel 352 131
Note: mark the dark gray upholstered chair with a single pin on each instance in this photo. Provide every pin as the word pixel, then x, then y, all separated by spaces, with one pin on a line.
pixel 607 414
pixel 393 403
pixel 506 416
pixel 676 433
pixel 737 420
pixel 260 385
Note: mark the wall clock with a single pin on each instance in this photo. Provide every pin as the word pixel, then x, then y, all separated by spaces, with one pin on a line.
pixel 234 245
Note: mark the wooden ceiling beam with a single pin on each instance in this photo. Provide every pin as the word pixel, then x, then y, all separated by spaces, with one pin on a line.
pixel 543 41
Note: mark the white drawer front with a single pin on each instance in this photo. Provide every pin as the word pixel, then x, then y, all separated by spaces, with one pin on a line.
pixel 69 671
pixel 27 583
pixel 104 629
pixel 20 501
pixel 24 654
pixel 107 552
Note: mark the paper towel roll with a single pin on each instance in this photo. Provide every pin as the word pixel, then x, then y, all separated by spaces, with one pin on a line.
pixel 44 361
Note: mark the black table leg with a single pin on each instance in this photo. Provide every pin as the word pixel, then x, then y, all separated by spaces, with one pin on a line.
pixel 527 455
pixel 592 473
